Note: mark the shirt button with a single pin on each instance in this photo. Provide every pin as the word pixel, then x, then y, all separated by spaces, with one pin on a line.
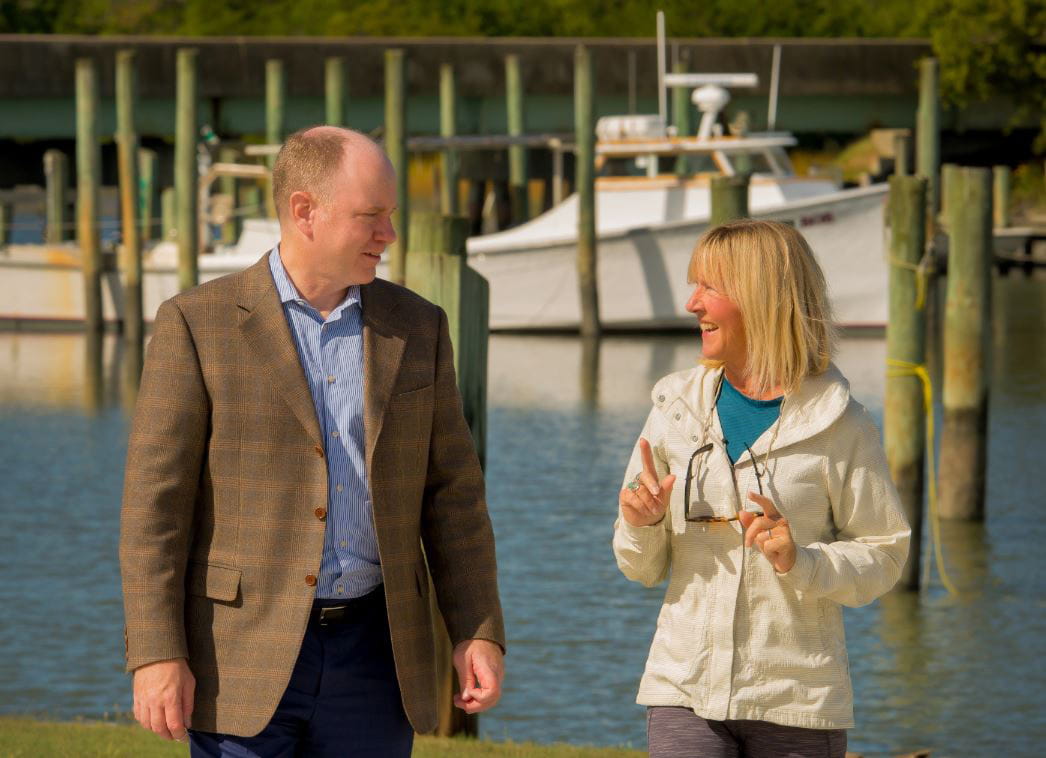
pixel 310 580
pixel 330 379
pixel 340 589
pixel 339 487
pixel 343 543
pixel 321 513
pixel 335 433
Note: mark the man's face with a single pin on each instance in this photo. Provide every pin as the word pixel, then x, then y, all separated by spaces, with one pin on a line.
pixel 354 226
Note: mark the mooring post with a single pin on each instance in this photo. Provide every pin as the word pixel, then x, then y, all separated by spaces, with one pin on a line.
pixel 904 411
pixel 275 95
pixel 517 154
pixel 901 146
pixel 928 135
pixel 437 270
pixel 185 171
pixel 1001 196
pixel 448 127
pixel 168 220
pixel 147 165
pixel 396 148
pixel 585 182
pixel 7 216
pixel 729 198
pixel 227 187
pixel 681 117
pixel 127 145
pixel 88 175
pixel 251 201
pixel 334 91
pixel 56 177
pixel 967 331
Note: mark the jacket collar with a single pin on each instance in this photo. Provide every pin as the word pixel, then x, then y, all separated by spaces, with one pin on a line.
pixel 814 406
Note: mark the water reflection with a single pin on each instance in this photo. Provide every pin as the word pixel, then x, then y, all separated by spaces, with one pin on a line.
pixel 963 676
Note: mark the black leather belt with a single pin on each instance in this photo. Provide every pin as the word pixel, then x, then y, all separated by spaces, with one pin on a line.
pixel 347 610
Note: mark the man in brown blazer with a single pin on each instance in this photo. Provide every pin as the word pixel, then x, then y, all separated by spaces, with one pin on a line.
pixel 298 468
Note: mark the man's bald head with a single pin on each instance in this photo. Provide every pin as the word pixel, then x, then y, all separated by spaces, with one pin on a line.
pixel 310 158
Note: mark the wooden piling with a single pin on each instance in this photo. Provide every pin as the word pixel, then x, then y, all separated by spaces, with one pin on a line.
pixel 1001 196
pixel 438 270
pixel 251 201
pixel 448 127
pixel 147 167
pixel 7 216
pixel 901 147
pixel 88 176
pixel 517 154
pixel 928 135
pixel 185 170
pixel 967 330
pixel 334 91
pixel 681 117
pixel 130 258
pixel 585 182
pixel 396 148
pixel 729 198
pixel 275 96
pixel 168 222
pixel 227 186
pixel 56 177
pixel 904 412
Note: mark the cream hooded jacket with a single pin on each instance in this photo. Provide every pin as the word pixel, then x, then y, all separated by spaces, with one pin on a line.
pixel 735 639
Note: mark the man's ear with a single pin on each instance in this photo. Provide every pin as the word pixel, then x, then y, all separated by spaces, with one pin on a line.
pixel 302 211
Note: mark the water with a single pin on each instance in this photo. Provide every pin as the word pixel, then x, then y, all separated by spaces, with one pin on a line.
pixel 964 676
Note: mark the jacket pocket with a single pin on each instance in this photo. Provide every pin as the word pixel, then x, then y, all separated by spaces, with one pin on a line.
pixel 213 581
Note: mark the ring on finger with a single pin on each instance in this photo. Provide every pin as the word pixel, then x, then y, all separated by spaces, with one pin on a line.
pixel 770 533
pixel 633 485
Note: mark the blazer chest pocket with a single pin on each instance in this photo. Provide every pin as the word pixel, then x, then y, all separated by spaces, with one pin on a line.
pixel 213 581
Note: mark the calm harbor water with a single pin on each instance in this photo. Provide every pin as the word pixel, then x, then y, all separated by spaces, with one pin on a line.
pixel 965 676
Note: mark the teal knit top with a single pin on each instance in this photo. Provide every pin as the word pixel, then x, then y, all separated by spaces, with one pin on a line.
pixel 743 419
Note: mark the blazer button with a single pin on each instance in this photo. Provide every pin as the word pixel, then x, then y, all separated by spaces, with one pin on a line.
pixel 321 513
pixel 310 580
pixel 319 451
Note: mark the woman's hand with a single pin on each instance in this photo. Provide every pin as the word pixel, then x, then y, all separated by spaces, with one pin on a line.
pixel 770 533
pixel 644 500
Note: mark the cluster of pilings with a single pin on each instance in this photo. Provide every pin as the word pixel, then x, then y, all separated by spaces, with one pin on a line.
pixel 954 207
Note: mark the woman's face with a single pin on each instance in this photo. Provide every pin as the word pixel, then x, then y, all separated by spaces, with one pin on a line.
pixel 722 329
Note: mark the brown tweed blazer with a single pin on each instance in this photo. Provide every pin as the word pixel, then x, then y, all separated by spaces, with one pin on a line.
pixel 226 468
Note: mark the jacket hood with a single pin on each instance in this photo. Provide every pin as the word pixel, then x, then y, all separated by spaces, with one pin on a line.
pixel 814 406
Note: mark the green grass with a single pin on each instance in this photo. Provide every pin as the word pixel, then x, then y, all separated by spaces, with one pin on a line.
pixel 29 738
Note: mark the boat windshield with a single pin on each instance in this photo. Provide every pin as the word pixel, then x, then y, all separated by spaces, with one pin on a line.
pixel 754 162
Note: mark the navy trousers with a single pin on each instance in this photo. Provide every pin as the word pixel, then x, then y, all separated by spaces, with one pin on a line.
pixel 343 700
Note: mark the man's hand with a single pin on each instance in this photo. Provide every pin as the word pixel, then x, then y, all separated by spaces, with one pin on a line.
pixel 163 698
pixel 770 533
pixel 480 668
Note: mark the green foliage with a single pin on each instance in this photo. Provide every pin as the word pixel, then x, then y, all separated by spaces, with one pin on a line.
pixel 990 48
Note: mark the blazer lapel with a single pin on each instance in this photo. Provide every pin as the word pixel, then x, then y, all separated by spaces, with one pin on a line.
pixel 269 337
pixel 383 344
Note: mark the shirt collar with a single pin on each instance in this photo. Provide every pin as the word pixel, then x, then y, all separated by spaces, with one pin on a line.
pixel 289 293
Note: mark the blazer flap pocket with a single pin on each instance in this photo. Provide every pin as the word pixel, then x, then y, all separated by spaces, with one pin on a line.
pixel 214 581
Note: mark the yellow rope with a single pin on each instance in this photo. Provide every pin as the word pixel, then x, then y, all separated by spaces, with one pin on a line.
pixel 923 271
pixel 904 368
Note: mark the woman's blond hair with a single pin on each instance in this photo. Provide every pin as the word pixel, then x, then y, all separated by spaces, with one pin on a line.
pixel 768 270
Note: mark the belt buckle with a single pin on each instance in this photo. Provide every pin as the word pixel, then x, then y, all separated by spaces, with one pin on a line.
pixel 323 621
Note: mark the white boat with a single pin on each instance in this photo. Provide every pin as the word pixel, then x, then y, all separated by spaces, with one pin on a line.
pixel 647 225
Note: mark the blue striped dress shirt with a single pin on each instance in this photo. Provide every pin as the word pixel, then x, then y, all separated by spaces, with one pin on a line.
pixel 331 352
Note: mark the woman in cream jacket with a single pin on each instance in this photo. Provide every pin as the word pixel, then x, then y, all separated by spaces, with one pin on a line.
pixel 759 488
